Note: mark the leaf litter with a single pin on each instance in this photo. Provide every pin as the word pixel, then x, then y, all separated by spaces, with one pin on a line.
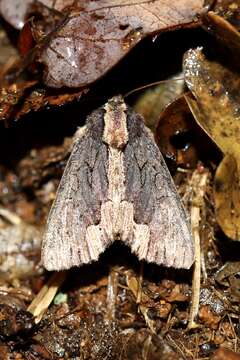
pixel 216 109
pixel 118 308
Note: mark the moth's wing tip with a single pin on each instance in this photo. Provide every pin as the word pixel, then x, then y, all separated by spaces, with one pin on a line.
pixel 190 262
pixel 183 265
pixel 58 264
pixel 184 260
pixel 183 255
pixel 58 257
pixel 54 262
pixel 171 263
pixel 51 265
pixel 61 264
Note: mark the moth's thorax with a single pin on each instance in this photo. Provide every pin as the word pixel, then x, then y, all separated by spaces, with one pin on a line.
pixel 116 189
pixel 115 132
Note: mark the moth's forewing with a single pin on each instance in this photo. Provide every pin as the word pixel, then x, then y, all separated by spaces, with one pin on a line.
pixel 149 186
pixel 72 236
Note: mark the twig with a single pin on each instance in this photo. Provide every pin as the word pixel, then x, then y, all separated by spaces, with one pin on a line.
pixel 112 293
pixel 203 267
pixel 45 296
pixel 139 293
pixel 10 216
pixel 198 181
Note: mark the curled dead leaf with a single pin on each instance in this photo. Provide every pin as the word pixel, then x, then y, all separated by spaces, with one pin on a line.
pixel 227 197
pixel 222 29
pixel 155 99
pixel 179 137
pixel 217 105
pixel 217 109
pixel 228 10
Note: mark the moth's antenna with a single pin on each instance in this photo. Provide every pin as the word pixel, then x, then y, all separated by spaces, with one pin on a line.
pixel 149 85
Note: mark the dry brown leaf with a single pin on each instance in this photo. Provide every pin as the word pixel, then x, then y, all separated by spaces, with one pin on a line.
pixel 222 29
pixel 225 354
pixel 208 317
pixel 227 197
pixel 217 109
pixel 155 99
pixel 229 10
pixel 17 100
pixel 229 269
pixel 97 34
pixel 178 136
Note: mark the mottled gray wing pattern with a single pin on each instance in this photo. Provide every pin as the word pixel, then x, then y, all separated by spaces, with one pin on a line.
pixel 156 203
pixel 82 189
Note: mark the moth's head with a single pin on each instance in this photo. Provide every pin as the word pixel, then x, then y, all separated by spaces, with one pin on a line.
pixel 116 101
pixel 115 132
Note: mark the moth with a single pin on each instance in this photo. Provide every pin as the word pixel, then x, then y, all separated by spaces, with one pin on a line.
pixel 116 186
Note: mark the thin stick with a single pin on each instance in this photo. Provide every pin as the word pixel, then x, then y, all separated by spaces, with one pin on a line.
pixel 46 295
pixel 112 290
pixel 10 216
pixel 139 293
pixel 199 182
pixel 203 267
